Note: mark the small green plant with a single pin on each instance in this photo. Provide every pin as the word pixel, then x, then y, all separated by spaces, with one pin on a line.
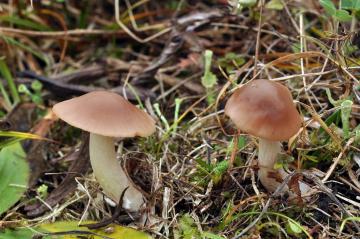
pixel 209 79
pixel 176 116
pixel 187 229
pixel 357 135
pixel 231 61
pixel 351 219
pixel 292 226
pixel 215 171
pixel 345 112
pixel 283 160
pixel 342 13
pixel 239 5
pixel 34 93
pixel 42 191
pixel 161 116
pixel 275 5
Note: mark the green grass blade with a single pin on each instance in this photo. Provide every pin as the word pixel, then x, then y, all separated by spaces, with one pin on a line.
pixel 5 72
pixel 21 22
pixel 12 41
pixel 21 135
pixel 356 219
pixel 5 95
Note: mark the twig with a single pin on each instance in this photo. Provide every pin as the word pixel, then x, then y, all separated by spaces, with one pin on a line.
pixel 257 48
pixel 60 34
pixel 129 32
pixel 303 50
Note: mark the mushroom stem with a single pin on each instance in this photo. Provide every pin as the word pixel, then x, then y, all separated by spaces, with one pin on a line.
pixel 268 151
pixel 110 174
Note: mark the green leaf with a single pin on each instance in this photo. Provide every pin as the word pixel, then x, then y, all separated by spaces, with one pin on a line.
pixel 5 95
pixel 345 116
pixel 71 230
pixel 312 158
pixel 14 42
pixel 209 79
pixel 231 61
pixel 24 23
pixel 36 85
pixel 211 235
pixel 282 160
pixel 241 142
pixel 275 5
pixel 332 101
pixel 204 166
pixel 350 4
pixel 355 219
pixel 343 16
pixel 221 167
pixel 187 228
pixel 357 136
pixel 5 72
pixel 219 170
pixel 16 234
pixel 22 88
pixel 295 228
pixel 329 7
pixel 42 191
pixel 14 175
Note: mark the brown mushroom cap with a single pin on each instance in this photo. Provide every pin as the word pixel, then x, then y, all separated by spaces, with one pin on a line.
pixel 105 113
pixel 264 109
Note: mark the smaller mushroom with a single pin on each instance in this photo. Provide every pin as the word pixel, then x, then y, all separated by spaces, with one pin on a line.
pixel 266 110
pixel 107 115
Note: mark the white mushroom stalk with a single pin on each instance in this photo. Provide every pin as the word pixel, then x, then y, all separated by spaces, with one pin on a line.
pixel 268 153
pixel 110 174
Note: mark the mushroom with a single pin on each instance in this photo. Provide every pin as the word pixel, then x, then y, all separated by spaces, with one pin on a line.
pixel 107 115
pixel 266 110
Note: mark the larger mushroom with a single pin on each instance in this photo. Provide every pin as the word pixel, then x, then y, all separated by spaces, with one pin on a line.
pixel 266 110
pixel 107 115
